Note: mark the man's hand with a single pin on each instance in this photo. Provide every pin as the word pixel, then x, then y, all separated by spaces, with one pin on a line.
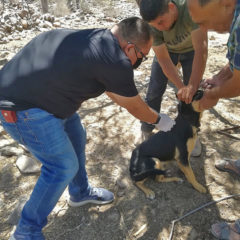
pixel 186 93
pixel 165 123
pixel 219 79
pixel 212 82
pixel 207 101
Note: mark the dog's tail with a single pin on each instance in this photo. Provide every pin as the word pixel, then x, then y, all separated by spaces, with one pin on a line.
pixel 144 167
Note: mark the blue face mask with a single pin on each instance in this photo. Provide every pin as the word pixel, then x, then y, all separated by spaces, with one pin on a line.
pixel 137 63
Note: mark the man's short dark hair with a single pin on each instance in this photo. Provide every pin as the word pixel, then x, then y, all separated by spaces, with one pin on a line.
pixel 135 30
pixel 151 9
pixel 203 2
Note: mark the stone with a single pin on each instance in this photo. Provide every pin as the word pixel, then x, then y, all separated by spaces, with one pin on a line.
pixel 27 164
pixel 11 151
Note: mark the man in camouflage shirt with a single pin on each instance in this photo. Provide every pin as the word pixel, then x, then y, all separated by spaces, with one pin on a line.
pixel 222 16
pixel 177 39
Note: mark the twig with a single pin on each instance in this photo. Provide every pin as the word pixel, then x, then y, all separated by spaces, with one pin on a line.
pixel 223 132
pixel 197 209
pixel 231 128
pixel 228 135
pixel 140 230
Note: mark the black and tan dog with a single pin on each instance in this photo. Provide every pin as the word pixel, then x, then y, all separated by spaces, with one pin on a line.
pixel 149 157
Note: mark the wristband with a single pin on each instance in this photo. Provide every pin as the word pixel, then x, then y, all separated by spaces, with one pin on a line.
pixel 158 119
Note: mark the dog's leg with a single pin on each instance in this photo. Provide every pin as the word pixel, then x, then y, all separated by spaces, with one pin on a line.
pixel 162 178
pixel 162 166
pixel 188 172
pixel 148 192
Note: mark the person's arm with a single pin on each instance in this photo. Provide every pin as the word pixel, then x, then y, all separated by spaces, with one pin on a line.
pixel 223 75
pixel 139 109
pixel 229 88
pixel 200 45
pixel 167 65
pixel 135 106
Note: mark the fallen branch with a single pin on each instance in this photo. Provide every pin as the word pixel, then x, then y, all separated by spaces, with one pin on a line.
pixel 197 209
pixel 231 128
pixel 228 135
pixel 224 132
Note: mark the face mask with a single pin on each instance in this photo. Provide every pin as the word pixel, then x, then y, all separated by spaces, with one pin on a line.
pixel 137 63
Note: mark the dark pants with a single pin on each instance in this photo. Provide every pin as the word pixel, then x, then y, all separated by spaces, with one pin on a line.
pixel 158 81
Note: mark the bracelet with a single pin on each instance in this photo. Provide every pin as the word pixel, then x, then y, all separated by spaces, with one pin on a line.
pixel 158 119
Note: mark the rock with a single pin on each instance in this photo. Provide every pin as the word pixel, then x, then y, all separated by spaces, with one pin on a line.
pixel 19 27
pixel 8 28
pixel 24 24
pixel 3 61
pixel 57 24
pixel 122 183
pixel 48 17
pixel 27 164
pixel 46 24
pixel 23 13
pixel 3 40
pixel 13 20
pixel 36 16
pixel 5 142
pixel 11 151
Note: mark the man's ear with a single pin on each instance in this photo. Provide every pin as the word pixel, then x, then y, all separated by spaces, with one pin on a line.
pixel 171 6
pixel 127 49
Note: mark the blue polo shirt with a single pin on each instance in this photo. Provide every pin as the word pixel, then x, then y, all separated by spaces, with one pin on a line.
pixel 60 69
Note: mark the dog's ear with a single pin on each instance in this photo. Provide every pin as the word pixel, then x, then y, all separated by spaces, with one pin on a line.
pixel 198 95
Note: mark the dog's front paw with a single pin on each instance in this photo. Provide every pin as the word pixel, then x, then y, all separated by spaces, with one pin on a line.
pixel 150 195
pixel 201 188
pixel 180 180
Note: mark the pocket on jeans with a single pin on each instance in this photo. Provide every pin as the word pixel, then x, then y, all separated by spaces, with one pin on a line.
pixel 12 130
pixel 43 132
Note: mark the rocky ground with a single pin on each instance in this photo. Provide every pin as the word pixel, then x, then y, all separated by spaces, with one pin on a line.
pixel 112 135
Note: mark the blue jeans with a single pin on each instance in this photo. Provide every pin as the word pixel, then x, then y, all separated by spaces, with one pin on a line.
pixel 59 144
pixel 158 82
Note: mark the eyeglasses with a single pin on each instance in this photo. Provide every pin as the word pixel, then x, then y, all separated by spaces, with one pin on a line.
pixel 144 58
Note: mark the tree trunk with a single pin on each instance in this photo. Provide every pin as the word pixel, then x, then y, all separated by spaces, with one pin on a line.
pixel 44 6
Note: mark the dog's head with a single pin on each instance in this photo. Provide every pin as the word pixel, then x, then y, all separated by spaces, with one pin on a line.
pixel 195 100
pixel 191 112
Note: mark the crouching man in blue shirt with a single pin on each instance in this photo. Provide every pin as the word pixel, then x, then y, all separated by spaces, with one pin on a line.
pixel 41 89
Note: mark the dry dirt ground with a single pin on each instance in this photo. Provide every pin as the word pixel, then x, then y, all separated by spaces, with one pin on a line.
pixel 112 135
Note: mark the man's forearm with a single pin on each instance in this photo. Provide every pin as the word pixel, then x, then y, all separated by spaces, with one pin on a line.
pixel 167 65
pixel 230 86
pixel 198 68
pixel 171 73
pixel 225 73
pixel 136 106
pixel 143 113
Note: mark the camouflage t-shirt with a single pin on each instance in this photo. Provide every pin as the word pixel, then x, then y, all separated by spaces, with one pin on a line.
pixel 178 39
pixel 234 40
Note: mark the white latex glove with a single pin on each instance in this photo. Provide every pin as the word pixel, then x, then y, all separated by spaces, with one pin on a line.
pixel 165 123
